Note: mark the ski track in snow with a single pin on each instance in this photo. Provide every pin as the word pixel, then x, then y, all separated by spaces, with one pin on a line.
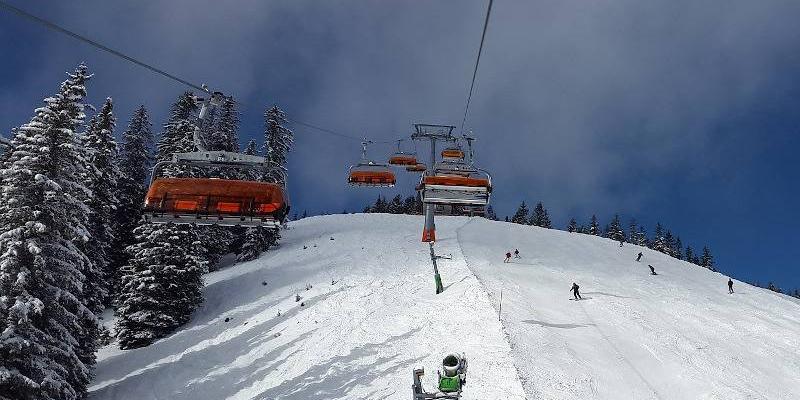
pixel 677 335
pixel 357 339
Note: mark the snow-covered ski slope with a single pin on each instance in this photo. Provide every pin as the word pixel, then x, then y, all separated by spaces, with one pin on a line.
pixel 677 335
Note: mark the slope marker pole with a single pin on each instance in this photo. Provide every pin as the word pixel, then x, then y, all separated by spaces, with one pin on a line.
pixel 500 311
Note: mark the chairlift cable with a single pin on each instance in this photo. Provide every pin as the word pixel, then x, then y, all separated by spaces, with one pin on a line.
pixel 60 29
pixel 477 61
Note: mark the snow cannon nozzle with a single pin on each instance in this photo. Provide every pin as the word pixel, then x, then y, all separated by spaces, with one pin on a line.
pixel 451 364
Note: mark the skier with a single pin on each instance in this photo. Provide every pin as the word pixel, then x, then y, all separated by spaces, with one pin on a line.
pixel 730 286
pixel 508 258
pixel 639 257
pixel 575 292
pixel 621 242
pixel 516 253
pixel 652 270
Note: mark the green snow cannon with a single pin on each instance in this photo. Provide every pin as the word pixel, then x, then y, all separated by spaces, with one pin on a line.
pixel 455 374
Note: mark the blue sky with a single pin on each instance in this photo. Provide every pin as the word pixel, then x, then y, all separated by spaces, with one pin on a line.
pixel 672 111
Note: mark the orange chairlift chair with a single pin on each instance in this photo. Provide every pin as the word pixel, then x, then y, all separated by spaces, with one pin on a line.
pixel 401 158
pixel 214 201
pixel 368 173
pixel 453 153
pixel 455 184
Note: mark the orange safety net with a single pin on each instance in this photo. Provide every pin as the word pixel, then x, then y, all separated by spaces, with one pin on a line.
pixel 372 177
pixel 455 181
pixel 214 196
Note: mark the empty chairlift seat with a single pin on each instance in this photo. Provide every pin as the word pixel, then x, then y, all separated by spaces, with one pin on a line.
pixel 371 175
pixel 453 153
pixel 456 189
pixel 401 159
pixel 208 201
pixel 416 168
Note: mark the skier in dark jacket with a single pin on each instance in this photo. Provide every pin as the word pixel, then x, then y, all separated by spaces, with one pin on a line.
pixel 639 257
pixel 575 291
pixel 508 258
pixel 730 286
pixel 652 270
pixel 516 253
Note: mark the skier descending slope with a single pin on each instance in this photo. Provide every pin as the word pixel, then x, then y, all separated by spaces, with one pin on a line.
pixel 516 253
pixel 508 258
pixel 730 286
pixel 575 291
pixel 639 257
pixel 652 270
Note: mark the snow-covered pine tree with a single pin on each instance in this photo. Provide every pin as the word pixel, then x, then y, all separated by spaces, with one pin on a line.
pixel 632 231
pixel 396 205
pixel 251 175
pixel 659 242
pixel 594 226
pixel 669 243
pixel 134 161
pixel 706 259
pixel 215 242
pixel 257 240
pixel 102 179
pixel 689 254
pixel 278 142
pixel 615 231
pixel 521 216
pixel 224 133
pixel 490 214
pixel 161 285
pixel 178 134
pixel 771 286
pixel 677 249
pixel 381 206
pixel 49 335
pixel 251 148
pixel 572 226
pixel 540 217
pixel 410 205
pixel 641 237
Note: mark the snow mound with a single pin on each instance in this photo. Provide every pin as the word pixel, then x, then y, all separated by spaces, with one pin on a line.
pixel 367 316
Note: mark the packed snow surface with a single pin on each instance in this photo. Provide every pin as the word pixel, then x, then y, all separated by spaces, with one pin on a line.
pixel 368 315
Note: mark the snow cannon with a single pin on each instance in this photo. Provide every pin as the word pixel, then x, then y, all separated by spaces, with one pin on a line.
pixel 452 379
pixel 455 370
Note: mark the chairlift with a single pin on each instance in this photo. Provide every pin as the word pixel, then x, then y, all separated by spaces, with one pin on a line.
pixel 214 201
pixel 455 184
pixel 453 152
pixel 368 173
pixel 419 167
pixel 401 158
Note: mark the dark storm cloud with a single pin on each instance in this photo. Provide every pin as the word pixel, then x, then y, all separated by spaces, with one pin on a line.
pixel 574 99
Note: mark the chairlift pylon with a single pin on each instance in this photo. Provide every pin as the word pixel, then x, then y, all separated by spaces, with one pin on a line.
pixel 368 173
